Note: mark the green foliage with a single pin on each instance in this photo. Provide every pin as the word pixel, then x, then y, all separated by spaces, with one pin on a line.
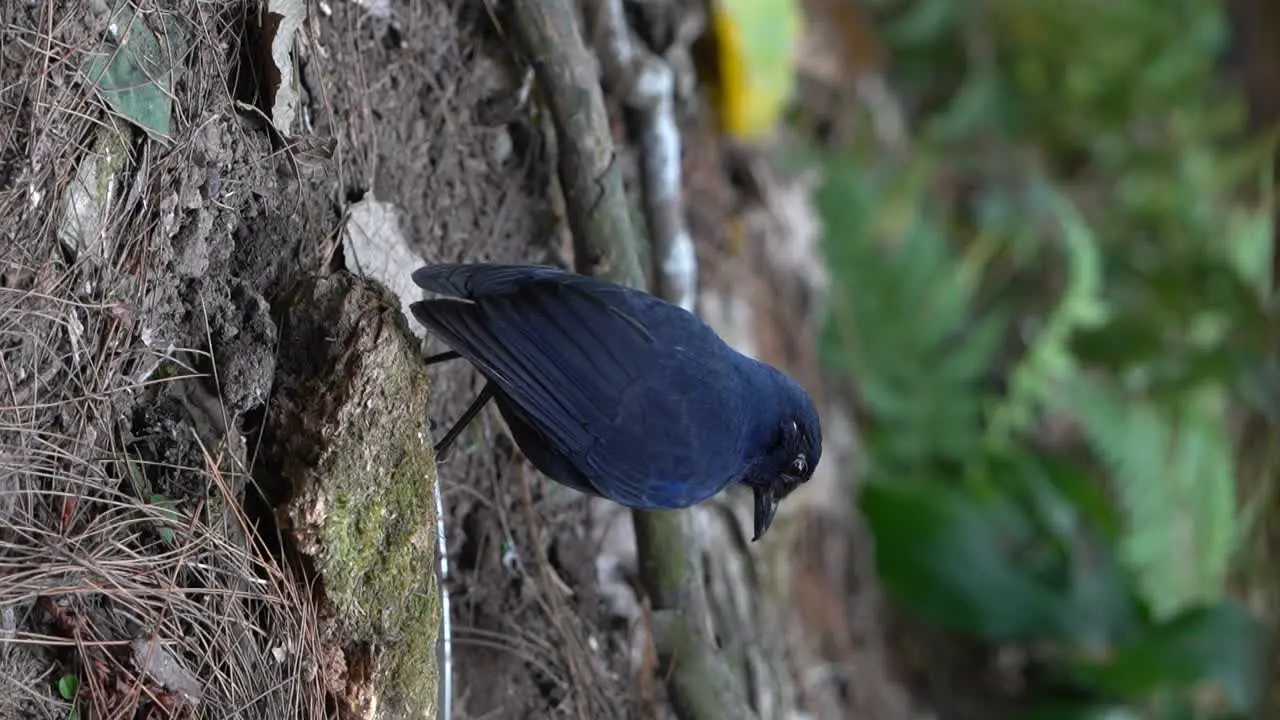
pixel 1047 363
pixel 1218 643
pixel 135 70
pixel 986 565
pixel 1173 471
pixel 167 510
pixel 1050 361
pixel 922 377
pixel 68 686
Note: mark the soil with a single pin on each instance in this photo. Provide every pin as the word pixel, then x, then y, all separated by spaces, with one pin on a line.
pixel 207 233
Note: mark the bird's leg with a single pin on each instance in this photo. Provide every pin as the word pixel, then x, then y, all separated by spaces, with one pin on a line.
pixel 442 357
pixel 486 394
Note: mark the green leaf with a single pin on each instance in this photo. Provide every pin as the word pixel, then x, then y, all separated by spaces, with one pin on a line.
pixel 1103 609
pixel 1050 710
pixel 137 477
pixel 946 557
pixel 168 511
pixel 1066 548
pixel 1083 487
pixel 1184 285
pixel 135 71
pixel 1221 645
pixel 1123 342
pixel 68 686
pixel 924 22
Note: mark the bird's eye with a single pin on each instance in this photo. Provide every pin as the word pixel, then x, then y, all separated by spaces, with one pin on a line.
pixel 799 467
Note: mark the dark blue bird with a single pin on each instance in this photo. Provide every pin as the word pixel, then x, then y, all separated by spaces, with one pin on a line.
pixel 617 393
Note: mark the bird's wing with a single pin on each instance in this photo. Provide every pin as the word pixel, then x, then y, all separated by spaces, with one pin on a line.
pixel 562 349
pixel 476 280
pixel 681 435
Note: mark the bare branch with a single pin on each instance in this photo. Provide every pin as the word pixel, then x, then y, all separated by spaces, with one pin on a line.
pixel 648 84
pixel 604 243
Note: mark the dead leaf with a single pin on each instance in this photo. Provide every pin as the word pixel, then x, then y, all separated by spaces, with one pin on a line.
pixel 280 25
pixel 375 247
pixel 160 665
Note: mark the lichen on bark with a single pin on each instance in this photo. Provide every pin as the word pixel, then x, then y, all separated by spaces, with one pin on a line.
pixel 347 435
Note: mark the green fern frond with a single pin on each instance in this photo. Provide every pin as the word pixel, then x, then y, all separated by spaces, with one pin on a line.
pixel 1049 362
pixel 904 322
pixel 1172 468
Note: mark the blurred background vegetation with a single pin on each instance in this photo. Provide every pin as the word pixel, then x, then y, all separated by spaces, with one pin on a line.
pixel 1053 308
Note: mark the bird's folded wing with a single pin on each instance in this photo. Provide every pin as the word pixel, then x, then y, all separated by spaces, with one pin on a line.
pixel 475 280
pixel 679 439
pixel 565 356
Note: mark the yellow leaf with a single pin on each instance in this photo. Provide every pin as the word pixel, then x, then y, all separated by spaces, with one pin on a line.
pixel 756 44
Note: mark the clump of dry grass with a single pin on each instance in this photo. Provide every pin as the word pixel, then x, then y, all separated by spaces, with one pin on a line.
pixel 89 573
pixel 173 609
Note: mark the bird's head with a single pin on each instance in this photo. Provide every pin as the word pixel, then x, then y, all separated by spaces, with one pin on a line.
pixel 794 449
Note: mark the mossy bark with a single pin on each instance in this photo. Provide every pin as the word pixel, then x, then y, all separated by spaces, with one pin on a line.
pixel 347 429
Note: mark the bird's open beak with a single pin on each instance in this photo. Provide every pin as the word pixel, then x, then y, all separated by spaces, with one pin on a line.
pixel 766 506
